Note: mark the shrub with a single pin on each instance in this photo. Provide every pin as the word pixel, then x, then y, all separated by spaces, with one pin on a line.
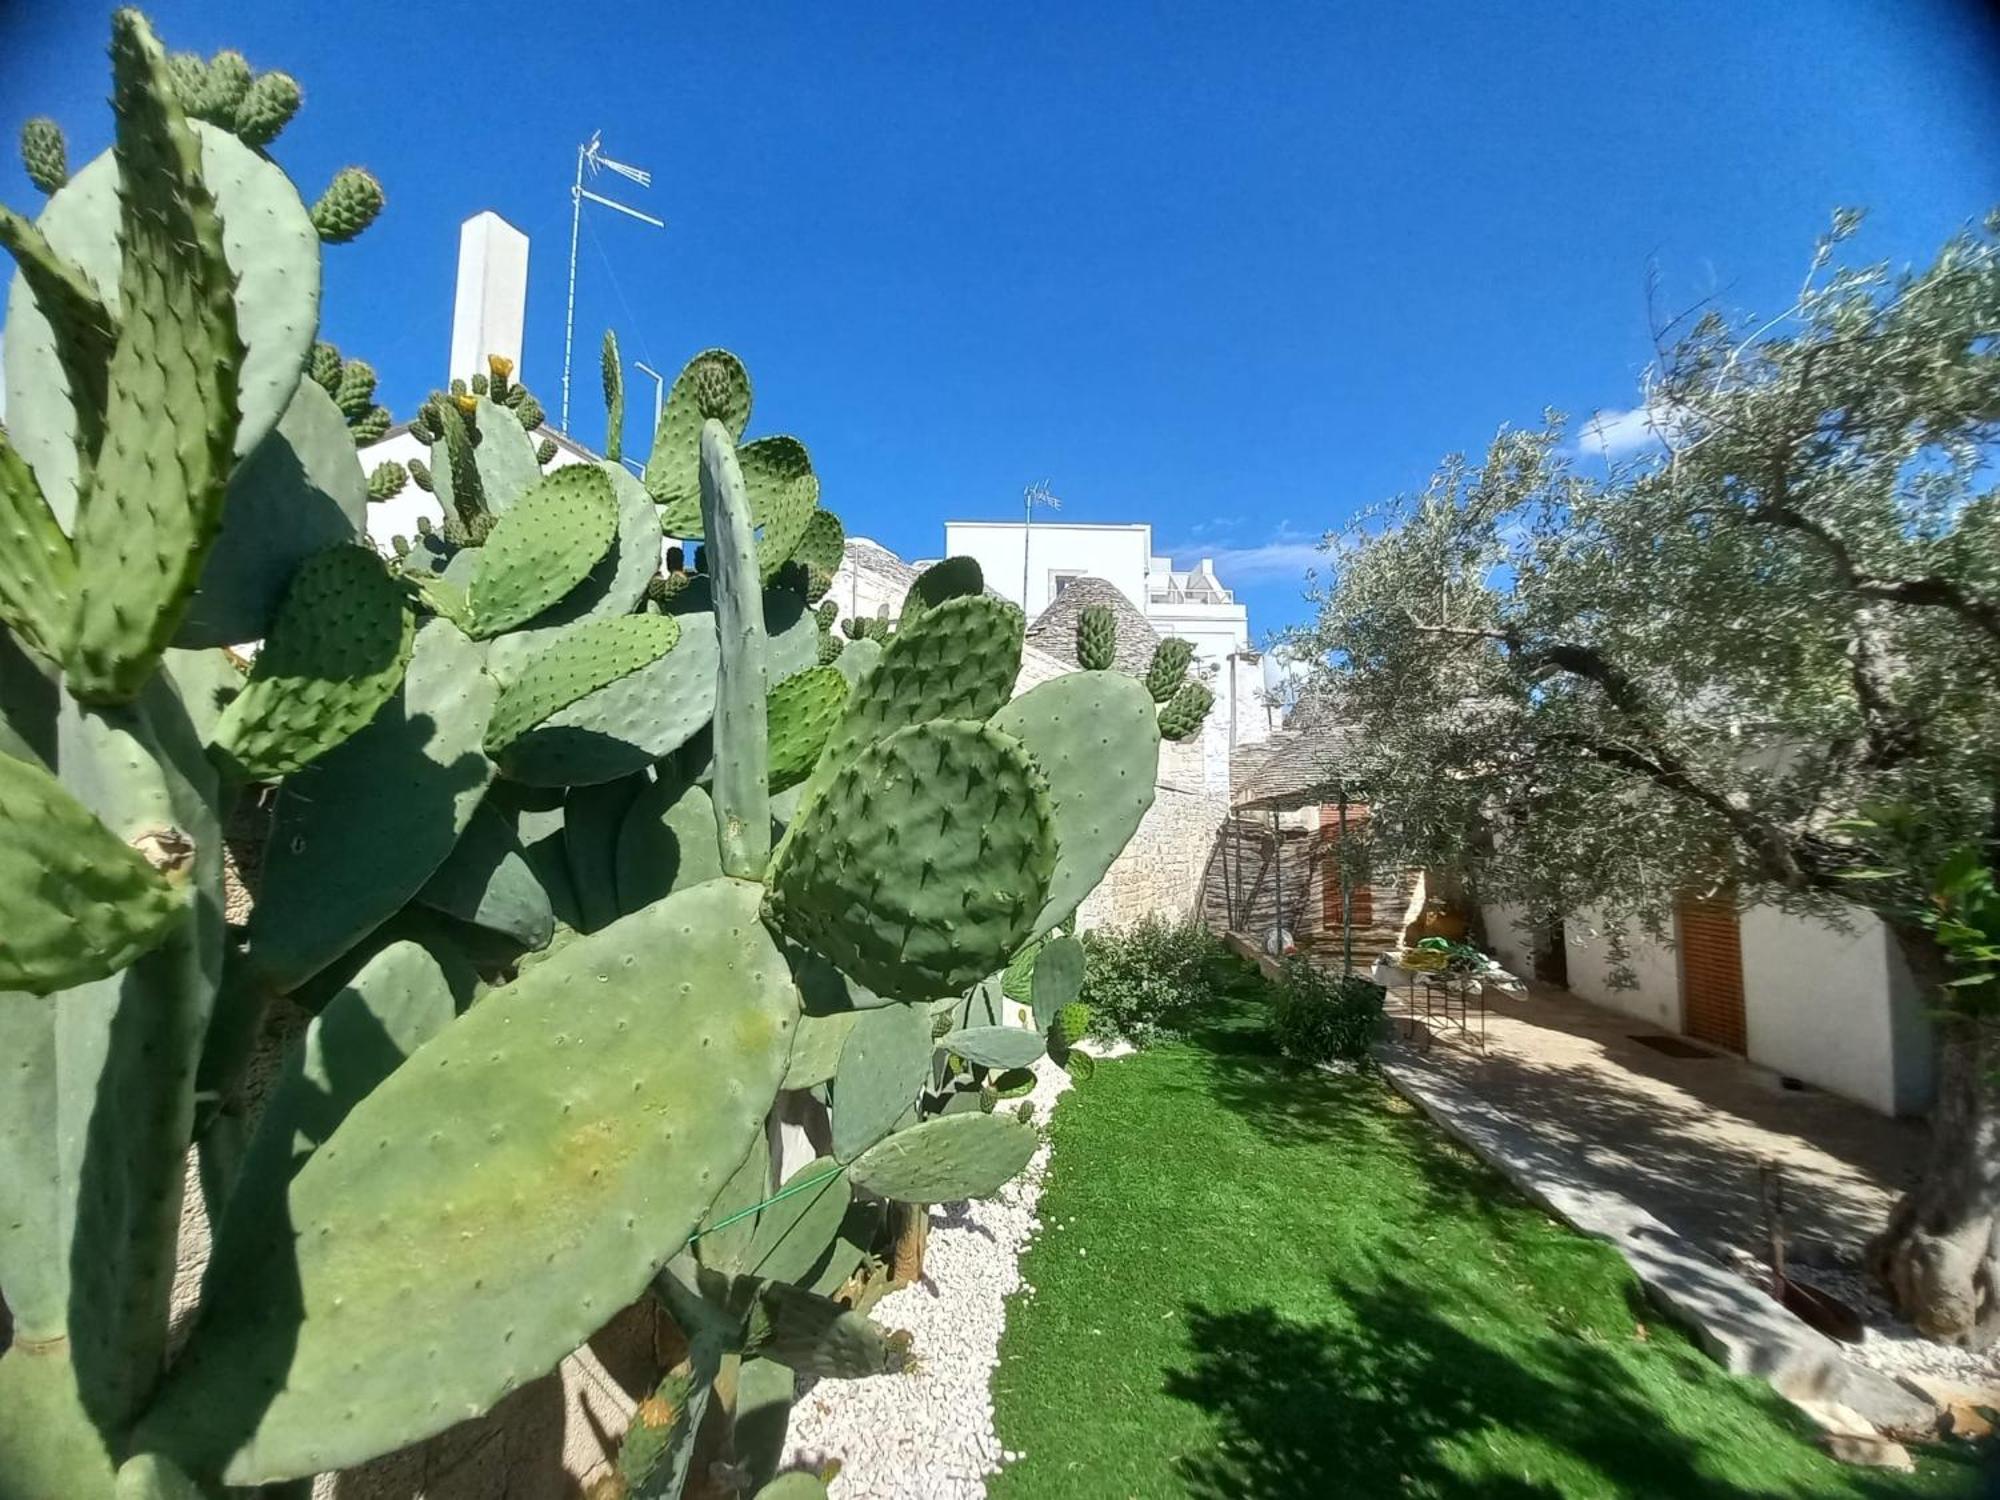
pixel 1144 983
pixel 1320 1017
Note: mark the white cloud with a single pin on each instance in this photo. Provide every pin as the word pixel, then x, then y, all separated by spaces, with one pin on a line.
pixel 1288 554
pixel 1618 434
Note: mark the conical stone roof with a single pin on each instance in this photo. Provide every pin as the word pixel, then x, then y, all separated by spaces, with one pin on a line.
pixel 1054 630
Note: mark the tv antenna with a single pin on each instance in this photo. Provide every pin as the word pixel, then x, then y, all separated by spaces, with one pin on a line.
pixel 1035 494
pixel 590 155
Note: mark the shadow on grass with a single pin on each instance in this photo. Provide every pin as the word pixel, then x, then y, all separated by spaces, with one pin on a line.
pixel 1397 1398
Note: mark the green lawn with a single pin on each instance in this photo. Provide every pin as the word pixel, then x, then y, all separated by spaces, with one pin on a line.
pixel 1257 1282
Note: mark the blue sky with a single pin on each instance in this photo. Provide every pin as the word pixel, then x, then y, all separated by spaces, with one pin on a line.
pixel 1237 270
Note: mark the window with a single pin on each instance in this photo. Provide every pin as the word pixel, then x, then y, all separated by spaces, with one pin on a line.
pixel 1060 579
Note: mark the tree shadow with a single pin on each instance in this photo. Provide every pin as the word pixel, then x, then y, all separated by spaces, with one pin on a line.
pixel 1390 1397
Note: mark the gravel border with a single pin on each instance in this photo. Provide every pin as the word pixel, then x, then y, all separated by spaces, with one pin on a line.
pixel 928 1434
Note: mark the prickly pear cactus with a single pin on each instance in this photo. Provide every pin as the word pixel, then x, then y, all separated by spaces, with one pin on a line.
pixel 704 867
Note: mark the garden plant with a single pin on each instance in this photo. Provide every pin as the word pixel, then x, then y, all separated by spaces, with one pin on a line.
pixel 591 870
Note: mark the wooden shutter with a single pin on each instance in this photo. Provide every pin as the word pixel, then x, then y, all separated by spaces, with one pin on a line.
pixel 1711 946
pixel 1361 897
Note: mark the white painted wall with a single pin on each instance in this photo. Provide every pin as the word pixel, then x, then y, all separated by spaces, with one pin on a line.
pixel 1826 1006
pixel 1117 554
pixel 1510 945
pixel 1657 966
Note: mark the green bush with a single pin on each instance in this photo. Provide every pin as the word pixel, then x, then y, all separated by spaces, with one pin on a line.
pixel 1320 1017
pixel 1146 982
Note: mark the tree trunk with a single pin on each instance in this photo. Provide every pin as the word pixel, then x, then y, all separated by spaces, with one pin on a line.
pixel 906 1260
pixel 1940 1254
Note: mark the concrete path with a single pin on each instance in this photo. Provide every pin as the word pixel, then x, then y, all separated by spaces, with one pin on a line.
pixel 1681 1137
pixel 1659 1155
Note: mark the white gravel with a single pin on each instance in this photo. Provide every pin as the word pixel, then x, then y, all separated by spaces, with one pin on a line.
pixel 1892 1346
pixel 928 1434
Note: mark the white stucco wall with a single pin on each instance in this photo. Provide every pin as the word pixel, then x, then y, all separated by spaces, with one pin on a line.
pixel 1656 966
pixel 1826 1006
pixel 1117 554
pixel 1509 943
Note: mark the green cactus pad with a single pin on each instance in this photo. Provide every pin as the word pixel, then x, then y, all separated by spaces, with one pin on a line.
pixel 1182 717
pixel 348 206
pixel 270 246
pixel 1096 638
pixel 617 584
pixel 300 492
pixel 81 328
pixel 667 843
pixel 947 1159
pixel 816 1049
pixel 733 1214
pixel 1015 1083
pixel 1017 978
pixel 37 567
pixel 151 1477
pixel 857 660
pixel 791 635
pixel 995 1046
pixel 577 663
pixel 1058 978
pixel 816 1336
pixel 822 548
pixel 784 495
pixel 541 547
pixel 1095 737
pixel 339 647
pixel 825 991
pixel 739 740
pixel 883 1067
pixel 1079 1064
pixel 958 661
pixel 1071 1025
pixel 592 819
pixel 796 1485
pixel 493 1202
pixel 954 578
pixel 802 711
pixel 712 384
pixel 505 456
pixel 398 1001
pixel 52 1446
pixel 153 504
pixel 1169 668
pixel 923 863
pixel 76 902
pixel 357 833
pixel 487 880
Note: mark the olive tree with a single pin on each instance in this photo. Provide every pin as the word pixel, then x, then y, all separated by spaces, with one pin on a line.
pixel 1761 656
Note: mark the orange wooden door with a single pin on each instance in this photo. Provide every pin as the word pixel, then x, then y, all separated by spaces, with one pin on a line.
pixel 1361 897
pixel 1711 971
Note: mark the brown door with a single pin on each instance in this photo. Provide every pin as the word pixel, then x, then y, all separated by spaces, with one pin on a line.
pixel 1711 971
pixel 1361 897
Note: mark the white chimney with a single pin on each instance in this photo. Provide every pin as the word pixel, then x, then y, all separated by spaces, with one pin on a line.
pixel 491 304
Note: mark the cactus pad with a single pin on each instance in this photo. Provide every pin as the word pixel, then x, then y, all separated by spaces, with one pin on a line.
pixel 76 902
pixel 541 547
pixel 487 880
pixel 667 843
pixel 995 1046
pixel 802 711
pixel 816 1336
pixel 712 384
pixel 947 1159
pixel 953 578
pixel 154 501
pixel 617 584
pixel 1094 735
pixel 271 249
pixel 300 492
pixel 1058 979
pixel 816 1049
pixel 883 1067
pixel 37 568
pixel 923 863
pixel 822 548
pixel 338 649
pixel 1071 1025
pixel 784 496
pixel 578 662
pixel 793 1233
pixel 357 833
pixel 493 1202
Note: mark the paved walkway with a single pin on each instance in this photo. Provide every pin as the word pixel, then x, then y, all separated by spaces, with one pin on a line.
pixel 1680 1137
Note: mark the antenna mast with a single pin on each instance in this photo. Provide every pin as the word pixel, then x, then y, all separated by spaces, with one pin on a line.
pixel 590 155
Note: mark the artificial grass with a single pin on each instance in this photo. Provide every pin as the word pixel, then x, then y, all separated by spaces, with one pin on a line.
pixel 1262 1282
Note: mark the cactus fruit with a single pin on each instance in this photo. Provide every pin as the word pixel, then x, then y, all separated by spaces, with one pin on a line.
pixel 354 391
pixel 544 452
pixel 1096 638
pixel 529 414
pixel 44 153
pixel 1169 668
pixel 76 902
pixel 478 385
pixel 614 399
pixel 266 108
pixel 1071 1023
pixel 420 474
pixel 348 206
pixel 337 651
pixel 323 364
pixel 224 83
pixel 386 480
pixel 1184 715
